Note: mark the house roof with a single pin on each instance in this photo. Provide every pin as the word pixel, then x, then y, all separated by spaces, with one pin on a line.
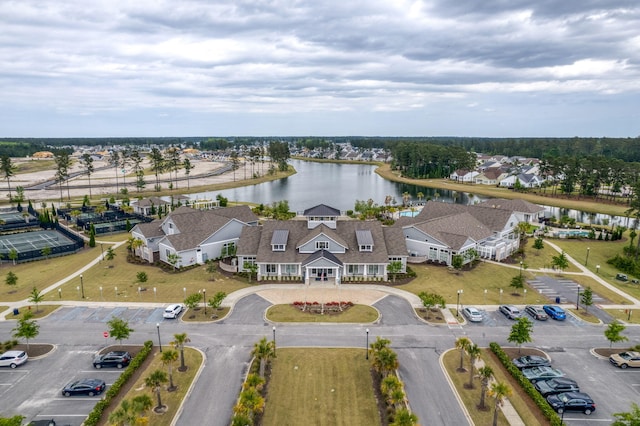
pixel 242 213
pixel 321 210
pixel 322 254
pixel 454 230
pixel 494 219
pixel 257 241
pixel 516 205
pixel 148 202
pixel 149 230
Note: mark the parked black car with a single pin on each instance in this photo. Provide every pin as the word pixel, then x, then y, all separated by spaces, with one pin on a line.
pixel 89 387
pixel 556 386
pixel 117 359
pixel 531 361
pixel 572 401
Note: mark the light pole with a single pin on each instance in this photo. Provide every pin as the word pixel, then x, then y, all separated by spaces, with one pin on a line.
pixel 60 293
pixel 204 300
pixel 184 291
pixel 116 289
pixel 524 298
pixel 586 261
pixel 597 269
pixel 521 269
pixel 485 296
pixel 78 288
pixel 82 286
pixel 155 293
pixel 458 304
pixel 274 341
pixel 366 348
pixel 578 300
pixel 102 250
pixel 159 342
pixel 101 293
pixel 501 296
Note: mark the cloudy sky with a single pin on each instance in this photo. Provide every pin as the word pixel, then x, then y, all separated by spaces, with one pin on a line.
pixel 506 68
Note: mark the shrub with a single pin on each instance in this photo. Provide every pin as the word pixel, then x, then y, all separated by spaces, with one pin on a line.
pixel 95 415
pixel 542 403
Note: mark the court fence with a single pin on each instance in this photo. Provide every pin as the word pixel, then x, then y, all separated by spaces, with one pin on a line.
pixel 75 244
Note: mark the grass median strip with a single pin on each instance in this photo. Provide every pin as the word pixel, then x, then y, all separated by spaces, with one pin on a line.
pixel 320 387
pixel 354 314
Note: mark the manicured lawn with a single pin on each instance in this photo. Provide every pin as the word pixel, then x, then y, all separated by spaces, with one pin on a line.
pixel 193 360
pixel 485 276
pixel 584 316
pixel 43 311
pixel 320 387
pixel 543 258
pixel 120 274
pixel 623 315
pixel 199 314
pixel 354 314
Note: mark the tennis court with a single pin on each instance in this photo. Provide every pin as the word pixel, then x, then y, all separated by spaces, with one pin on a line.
pixel 32 241
pixel 12 217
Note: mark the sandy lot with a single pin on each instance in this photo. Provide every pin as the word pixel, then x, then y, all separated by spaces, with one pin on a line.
pixel 103 181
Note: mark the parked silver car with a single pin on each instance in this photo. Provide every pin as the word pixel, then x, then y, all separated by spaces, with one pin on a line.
pixel 13 358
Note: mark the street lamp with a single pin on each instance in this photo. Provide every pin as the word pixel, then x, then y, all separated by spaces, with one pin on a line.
pixel 586 261
pixel 60 293
pixel 82 286
pixel 101 293
pixel 102 250
pixel 204 299
pixel 155 293
pixel 116 289
pixel 578 300
pixel 366 348
pixel 274 340
pixel 485 296
pixel 501 296
pixel 597 269
pixel 184 291
pixel 159 342
pixel 521 269
pixel 524 298
pixel 458 304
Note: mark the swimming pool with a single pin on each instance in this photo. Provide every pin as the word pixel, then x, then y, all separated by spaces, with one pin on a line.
pixel 409 213
pixel 564 234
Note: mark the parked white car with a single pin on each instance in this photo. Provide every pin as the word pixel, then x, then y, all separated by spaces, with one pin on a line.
pixel 172 311
pixel 13 358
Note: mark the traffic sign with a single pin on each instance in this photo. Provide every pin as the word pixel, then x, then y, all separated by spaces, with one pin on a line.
pixel 105 334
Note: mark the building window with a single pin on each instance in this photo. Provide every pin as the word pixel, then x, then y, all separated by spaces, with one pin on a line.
pixel 272 268
pixel 367 247
pixel 355 269
pixel 322 245
pixel 372 270
pixel 290 269
pixel 278 247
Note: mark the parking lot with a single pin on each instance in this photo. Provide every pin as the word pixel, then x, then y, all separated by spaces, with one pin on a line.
pixel 102 315
pixel 35 388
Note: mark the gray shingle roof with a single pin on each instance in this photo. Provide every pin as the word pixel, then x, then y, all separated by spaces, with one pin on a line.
pixel 321 210
pixel 516 205
pixel 151 229
pixel 363 236
pixel 280 237
pixel 454 230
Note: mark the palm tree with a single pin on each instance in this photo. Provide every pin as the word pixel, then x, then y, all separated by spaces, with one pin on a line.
pixel 263 351
pixel 420 196
pixel 499 391
pixel 251 402
pixel 385 361
pixel 390 384
pixel 130 412
pixel 9 169
pixel 155 381
pixel 404 417
pixel 379 344
pixel 253 381
pixel 396 398
pixel 462 343
pixel 474 353
pixel 178 343
pixel 485 373
pixel 168 358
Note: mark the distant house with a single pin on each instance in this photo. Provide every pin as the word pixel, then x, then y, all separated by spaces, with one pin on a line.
pixel 467 176
pixel 442 230
pixel 525 180
pixel 322 247
pixel 491 176
pixel 146 205
pixel 195 236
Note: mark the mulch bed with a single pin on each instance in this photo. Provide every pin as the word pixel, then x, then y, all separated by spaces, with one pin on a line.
pixel 35 349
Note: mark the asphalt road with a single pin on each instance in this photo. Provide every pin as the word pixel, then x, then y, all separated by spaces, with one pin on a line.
pixel 34 389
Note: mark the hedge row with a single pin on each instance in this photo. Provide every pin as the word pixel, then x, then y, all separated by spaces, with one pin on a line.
pixel 96 414
pixel 542 403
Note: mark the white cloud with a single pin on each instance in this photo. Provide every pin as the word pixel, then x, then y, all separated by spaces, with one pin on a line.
pixel 370 61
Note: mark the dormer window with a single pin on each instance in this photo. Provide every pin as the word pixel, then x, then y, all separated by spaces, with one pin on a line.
pixel 322 245
pixel 279 240
pixel 365 240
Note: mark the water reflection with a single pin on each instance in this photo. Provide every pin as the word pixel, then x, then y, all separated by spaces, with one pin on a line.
pixel 340 185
